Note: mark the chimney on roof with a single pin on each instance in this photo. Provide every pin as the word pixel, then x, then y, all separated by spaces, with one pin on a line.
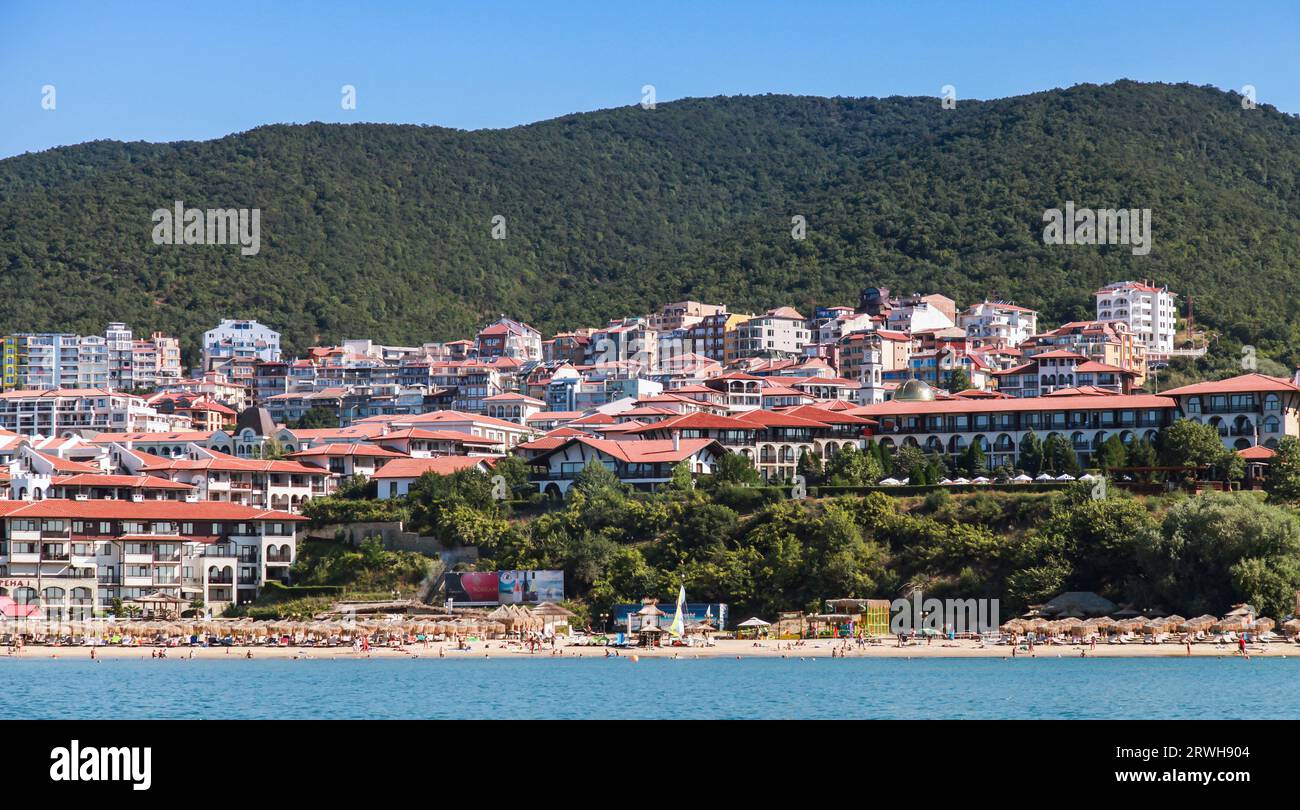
pixel 677 441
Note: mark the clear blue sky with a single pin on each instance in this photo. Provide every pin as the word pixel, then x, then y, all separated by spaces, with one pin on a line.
pixel 162 71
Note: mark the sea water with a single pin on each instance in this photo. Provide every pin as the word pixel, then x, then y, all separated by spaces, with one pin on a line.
pixel 597 687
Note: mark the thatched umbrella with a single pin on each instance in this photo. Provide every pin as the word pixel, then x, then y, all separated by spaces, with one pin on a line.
pixel 1232 624
pixel 1103 624
pixel 1017 626
pixel 1198 624
pixel 1291 627
pixel 1264 624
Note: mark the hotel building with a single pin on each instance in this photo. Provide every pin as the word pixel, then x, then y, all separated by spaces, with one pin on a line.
pixel 1147 310
pixel 73 557
pixel 999 426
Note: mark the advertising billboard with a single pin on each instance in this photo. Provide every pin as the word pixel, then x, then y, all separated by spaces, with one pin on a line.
pixel 473 587
pixel 530 587
pixel 504 587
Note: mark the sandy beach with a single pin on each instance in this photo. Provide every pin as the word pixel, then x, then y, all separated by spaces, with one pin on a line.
pixel 811 649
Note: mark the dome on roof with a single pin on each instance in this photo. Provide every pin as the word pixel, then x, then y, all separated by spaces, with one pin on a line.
pixel 914 390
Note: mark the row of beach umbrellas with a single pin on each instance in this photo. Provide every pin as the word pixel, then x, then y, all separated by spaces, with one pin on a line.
pixel 249 629
pixel 1156 626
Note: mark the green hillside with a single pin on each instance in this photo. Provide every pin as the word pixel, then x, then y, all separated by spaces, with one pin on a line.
pixel 385 231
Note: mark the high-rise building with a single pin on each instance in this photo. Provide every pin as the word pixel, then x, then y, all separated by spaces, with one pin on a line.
pixel 1146 309
pixel 238 339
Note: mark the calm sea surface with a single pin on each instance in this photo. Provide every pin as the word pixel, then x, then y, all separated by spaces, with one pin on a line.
pixel 618 688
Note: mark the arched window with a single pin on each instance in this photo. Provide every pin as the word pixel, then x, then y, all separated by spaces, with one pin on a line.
pixel 1272 403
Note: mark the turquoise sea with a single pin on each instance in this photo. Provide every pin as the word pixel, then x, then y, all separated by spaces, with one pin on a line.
pixel 1206 688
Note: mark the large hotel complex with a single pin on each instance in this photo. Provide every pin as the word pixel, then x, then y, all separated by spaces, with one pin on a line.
pixel 123 478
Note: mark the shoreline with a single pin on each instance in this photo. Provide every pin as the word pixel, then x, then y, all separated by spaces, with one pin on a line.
pixel 811 649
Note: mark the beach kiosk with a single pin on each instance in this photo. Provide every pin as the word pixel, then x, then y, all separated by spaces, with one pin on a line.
pixel 851 617
pixel 644 624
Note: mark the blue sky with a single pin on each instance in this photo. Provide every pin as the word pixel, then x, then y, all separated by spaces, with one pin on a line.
pixel 162 71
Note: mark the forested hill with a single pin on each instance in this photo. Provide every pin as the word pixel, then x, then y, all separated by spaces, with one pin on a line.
pixel 386 231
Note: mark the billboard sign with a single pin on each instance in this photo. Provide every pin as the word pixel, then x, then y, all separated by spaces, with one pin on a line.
pixel 530 587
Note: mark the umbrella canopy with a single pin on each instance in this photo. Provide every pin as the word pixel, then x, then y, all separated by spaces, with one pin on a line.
pixel 754 622
pixel 1044 477
pixel 1065 477
pixel 1022 479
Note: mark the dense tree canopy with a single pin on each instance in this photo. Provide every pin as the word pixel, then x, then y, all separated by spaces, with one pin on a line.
pixel 385 231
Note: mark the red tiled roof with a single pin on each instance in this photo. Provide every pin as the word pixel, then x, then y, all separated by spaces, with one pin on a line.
pixel 175 436
pixel 1081 391
pixel 554 416
pixel 139 510
pixel 442 465
pixel 641 451
pixel 774 419
pixel 1119 401
pixel 827 416
pixel 347 449
pixel 697 421
pixel 454 416
pixel 1236 385
pixel 132 481
pixel 436 435
pixel 596 418
pixel 65 465
pixel 221 461
pixel 1257 453
pixel 1095 367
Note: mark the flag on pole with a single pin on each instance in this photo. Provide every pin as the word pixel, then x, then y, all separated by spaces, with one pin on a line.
pixel 679 622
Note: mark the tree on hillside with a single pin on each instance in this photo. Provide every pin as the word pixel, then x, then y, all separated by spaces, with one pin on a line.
pixel 316 418
pixel 886 454
pixel 1031 454
pixel 810 467
pixel 973 460
pixel 957 380
pixel 596 477
pixel 1112 453
pixel 1189 443
pixel 851 467
pixel 736 468
pixel 1219 549
pixel 907 462
pixel 1283 481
